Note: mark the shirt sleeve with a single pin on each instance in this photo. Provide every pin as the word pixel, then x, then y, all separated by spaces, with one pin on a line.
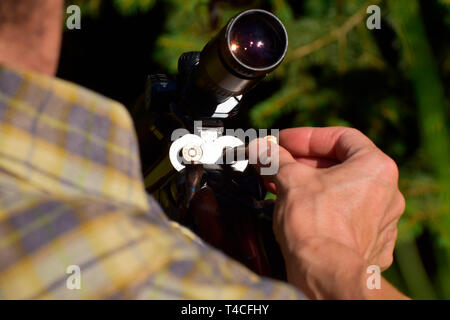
pixel 195 270
pixel 87 248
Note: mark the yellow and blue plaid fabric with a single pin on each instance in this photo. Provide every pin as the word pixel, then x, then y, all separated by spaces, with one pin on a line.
pixel 71 193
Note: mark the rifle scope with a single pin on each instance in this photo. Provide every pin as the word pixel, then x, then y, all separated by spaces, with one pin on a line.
pixel 251 45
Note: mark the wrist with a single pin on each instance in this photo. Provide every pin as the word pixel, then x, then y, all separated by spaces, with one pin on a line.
pixel 325 269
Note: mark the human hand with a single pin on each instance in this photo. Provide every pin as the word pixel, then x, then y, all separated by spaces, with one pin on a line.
pixel 337 209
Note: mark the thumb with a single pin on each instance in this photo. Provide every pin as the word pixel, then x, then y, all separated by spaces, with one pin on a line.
pixel 272 162
pixel 266 153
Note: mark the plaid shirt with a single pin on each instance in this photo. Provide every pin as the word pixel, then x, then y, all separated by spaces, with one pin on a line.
pixel 71 194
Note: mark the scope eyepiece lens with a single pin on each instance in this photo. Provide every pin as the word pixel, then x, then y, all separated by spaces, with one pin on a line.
pixel 246 49
pixel 257 40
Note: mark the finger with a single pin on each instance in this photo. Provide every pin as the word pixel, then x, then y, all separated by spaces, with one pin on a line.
pixel 263 152
pixel 270 186
pixel 335 143
pixel 291 173
pixel 309 161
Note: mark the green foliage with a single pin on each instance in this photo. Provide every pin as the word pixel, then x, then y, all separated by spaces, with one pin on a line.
pixel 445 5
pixel 132 6
pixel 125 7
pixel 88 7
pixel 385 82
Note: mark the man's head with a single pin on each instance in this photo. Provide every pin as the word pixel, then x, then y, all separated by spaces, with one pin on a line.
pixel 30 34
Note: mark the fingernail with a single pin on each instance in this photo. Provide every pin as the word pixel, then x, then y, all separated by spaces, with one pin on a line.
pixel 265 150
pixel 272 139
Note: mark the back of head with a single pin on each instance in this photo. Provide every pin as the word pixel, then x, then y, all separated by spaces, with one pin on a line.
pixel 30 34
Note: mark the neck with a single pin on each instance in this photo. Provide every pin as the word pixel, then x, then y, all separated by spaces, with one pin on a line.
pixel 31 40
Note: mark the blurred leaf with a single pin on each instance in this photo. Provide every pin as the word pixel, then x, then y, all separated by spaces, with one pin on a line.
pixel 128 7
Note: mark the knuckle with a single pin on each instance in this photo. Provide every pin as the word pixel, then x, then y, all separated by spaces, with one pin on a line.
pixel 402 203
pixel 387 167
pixel 391 236
pixel 390 167
pixel 386 257
pixel 347 132
pixel 354 131
pixel 387 261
